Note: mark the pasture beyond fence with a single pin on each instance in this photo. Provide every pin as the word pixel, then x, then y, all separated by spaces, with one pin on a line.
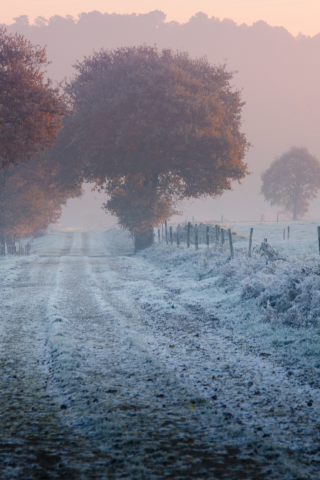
pixel 217 235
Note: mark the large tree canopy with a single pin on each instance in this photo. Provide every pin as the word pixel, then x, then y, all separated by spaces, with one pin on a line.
pixel 292 181
pixel 155 127
pixel 31 110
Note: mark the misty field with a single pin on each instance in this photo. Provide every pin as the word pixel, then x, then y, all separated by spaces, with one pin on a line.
pixel 170 363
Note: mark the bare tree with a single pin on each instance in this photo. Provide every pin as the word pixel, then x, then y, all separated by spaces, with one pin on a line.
pixel 292 181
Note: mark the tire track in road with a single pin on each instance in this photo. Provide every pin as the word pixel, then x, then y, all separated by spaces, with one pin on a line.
pixel 34 440
pixel 34 443
pixel 136 417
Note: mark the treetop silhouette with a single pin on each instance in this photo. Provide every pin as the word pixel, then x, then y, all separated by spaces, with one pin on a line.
pixel 292 181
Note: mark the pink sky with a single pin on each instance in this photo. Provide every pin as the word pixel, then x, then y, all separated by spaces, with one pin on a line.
pixel 295 15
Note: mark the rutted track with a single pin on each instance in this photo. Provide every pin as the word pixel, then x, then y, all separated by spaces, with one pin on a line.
pixel 93 385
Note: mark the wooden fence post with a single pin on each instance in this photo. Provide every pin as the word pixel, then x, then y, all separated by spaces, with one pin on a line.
pixel 171 237
pixel 178 235
pixel 288 233
pixel 250 242
pixel 158 235
pixel 222 236
pixel 196 237
pixel 207 235
pixel 217 233
pixel 230 243
pixel 188 234
pixel 277 217
pixel 284 234
pixel 166 231
pixel 319 238
pixel 162 233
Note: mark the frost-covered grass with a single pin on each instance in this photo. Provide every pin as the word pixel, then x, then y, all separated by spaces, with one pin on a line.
pixel 287 290
pixel 303 236
pixel 270 305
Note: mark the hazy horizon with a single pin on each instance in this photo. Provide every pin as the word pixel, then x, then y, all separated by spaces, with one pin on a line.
pixel 296 16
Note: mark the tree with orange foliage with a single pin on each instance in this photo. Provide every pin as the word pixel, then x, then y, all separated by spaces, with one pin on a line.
pixel 152 128
pixel 31 110
pixel 32 196
pixel 31 113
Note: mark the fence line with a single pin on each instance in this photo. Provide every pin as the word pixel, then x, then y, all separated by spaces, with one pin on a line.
pixel 216 235
pixel 12 249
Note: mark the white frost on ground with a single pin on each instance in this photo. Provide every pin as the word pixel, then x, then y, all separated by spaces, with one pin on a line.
pixel 216 350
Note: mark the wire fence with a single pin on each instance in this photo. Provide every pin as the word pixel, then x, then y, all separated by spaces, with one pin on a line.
pixel 209 234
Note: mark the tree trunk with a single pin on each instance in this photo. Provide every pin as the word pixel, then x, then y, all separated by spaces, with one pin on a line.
pixel 143 239
pixel 2 244
pixel 296 202
pixel 294 217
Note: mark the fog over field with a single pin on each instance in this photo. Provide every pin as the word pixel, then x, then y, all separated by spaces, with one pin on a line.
pixel 277 73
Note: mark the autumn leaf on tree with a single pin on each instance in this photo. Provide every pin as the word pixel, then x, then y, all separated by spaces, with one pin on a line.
pixel 31 110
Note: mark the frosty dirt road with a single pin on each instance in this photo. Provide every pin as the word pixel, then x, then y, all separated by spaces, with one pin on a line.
pixel 109 370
